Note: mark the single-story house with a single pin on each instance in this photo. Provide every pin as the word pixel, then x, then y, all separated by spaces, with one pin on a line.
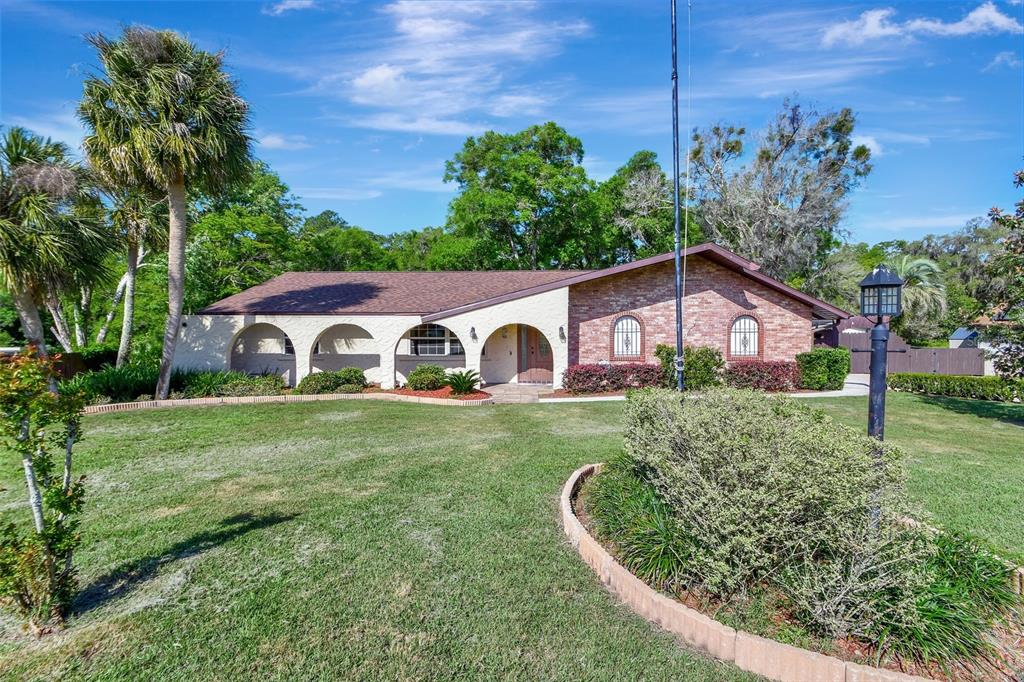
pixel 510 326
pixel 964 337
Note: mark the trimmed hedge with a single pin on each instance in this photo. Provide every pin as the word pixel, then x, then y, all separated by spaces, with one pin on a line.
pixel 332 382
pixel 824 369
pixel 763 375
pixel 980 388
pixel 603 378
pixel 702 366
pixel 427 378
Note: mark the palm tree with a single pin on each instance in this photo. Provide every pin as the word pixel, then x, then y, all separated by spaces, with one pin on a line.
pixel 924 292
pixel 165 112
pixel 44 245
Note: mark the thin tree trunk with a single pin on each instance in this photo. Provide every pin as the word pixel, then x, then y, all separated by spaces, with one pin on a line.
pixel 175 279
pixel 60 326
pixel 81 311
pixel 128 319
pixel 35 499
pixel 101 336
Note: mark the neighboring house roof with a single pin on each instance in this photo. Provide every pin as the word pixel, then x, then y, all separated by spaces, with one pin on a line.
pixel 437 295
pixel 963 333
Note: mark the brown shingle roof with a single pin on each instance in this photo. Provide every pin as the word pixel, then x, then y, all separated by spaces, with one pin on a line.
pixel 379 293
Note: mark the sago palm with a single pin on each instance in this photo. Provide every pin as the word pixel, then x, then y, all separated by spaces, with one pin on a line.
pixel 44 243
pixel 165 112
pixel 924 292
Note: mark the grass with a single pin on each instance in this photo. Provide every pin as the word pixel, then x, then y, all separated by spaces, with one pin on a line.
pixel 379 540
pixel 966 461
pixel 351 540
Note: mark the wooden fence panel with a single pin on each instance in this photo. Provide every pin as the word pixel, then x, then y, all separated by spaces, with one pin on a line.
pixel 903 358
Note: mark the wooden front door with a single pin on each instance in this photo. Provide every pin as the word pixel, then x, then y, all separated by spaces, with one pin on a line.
pixel 536 366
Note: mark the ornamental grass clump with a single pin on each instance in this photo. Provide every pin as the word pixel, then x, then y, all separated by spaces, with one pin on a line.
pixel 734 494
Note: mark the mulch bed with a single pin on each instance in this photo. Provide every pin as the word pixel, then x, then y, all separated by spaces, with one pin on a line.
pixel 445 392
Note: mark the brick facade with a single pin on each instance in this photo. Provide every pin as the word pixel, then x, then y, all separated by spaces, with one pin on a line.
pixel 715 296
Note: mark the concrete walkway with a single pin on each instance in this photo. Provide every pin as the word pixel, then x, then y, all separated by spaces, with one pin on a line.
pixel 517 393
pixel 855 385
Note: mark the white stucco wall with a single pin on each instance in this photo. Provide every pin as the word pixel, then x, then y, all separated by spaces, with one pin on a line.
pixel 206 340
pixel 546 311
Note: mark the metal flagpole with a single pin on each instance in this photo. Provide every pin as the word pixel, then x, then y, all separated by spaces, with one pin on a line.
pixel 675 207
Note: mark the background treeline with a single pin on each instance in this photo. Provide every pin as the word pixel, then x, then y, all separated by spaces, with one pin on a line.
pixel 91 249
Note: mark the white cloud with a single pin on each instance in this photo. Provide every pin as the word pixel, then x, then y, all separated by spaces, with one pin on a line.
pixel 61 125
pixel 423 178
pixel 281 141
pixel 870 142
pixel 287 6
pixel 878 23
pixel 1007 58
pixel 446 65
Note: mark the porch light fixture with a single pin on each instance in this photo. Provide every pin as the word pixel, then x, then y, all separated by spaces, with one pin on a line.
pixel 881 293
pixel 561 333
pixel 881 296
pixel 472 333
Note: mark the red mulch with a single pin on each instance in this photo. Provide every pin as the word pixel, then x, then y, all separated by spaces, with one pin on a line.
pixel 445 392
pixel 562 393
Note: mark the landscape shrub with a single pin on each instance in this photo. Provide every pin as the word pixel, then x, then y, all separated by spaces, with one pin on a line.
pixel 594 378
pixel 331 382
pixel 118 384
pixel 427 378
pixel 981 388
pixel 350 388
pixel 201 383
pixel 824 369
pixel 763 375
pixel 352 376
pixel 702 366
pixel 735 493
pixel 253 385
pixel 464 382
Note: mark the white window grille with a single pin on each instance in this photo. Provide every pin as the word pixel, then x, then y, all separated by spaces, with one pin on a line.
pixel 434 340
pixel 743 339
pixel 626 342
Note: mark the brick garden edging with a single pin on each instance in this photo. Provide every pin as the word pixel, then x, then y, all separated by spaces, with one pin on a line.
pixel 249 400
pixel 765 657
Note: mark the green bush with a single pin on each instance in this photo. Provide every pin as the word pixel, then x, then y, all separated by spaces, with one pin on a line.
pixel 119 384
pixel 736 492
pixel 253 385
pixel 427 378
pixel 331 382
pixel 981 388
pixel 464 382
pixel 702 366
pixel 350 388
pixel 824 369
pixel 352 376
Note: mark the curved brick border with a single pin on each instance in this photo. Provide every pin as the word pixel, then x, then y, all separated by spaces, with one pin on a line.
pixel 249 400
pixel 766 657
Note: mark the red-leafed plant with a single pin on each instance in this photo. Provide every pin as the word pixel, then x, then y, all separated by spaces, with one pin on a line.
pixel 764 375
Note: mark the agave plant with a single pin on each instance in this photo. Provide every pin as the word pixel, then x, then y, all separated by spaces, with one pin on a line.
pixel 464 382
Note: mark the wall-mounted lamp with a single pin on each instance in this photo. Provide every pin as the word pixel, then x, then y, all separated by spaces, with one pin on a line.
pixel 561 333
pixel 472 333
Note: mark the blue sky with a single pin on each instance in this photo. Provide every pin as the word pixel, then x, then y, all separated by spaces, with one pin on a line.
pixel 357 105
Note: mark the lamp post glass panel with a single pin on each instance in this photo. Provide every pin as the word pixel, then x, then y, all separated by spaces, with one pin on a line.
pixel 881 296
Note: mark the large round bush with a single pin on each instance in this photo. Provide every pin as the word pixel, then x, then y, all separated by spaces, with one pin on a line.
pixel 427 378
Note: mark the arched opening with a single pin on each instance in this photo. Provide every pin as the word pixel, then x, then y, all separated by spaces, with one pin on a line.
pixel 517 354
pixel 346 345
pixel 428 344
pixel 263 348
pixel 745 339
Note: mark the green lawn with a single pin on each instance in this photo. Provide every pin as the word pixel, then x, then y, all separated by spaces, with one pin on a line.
pixel 380 540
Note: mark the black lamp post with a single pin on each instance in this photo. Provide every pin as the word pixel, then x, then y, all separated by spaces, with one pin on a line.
pixel 881 296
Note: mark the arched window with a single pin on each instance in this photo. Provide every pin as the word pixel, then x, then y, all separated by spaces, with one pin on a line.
pixel 743 341
pixel 627 341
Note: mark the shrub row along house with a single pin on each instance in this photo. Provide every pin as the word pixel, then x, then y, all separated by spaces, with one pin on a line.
pixel 510 326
